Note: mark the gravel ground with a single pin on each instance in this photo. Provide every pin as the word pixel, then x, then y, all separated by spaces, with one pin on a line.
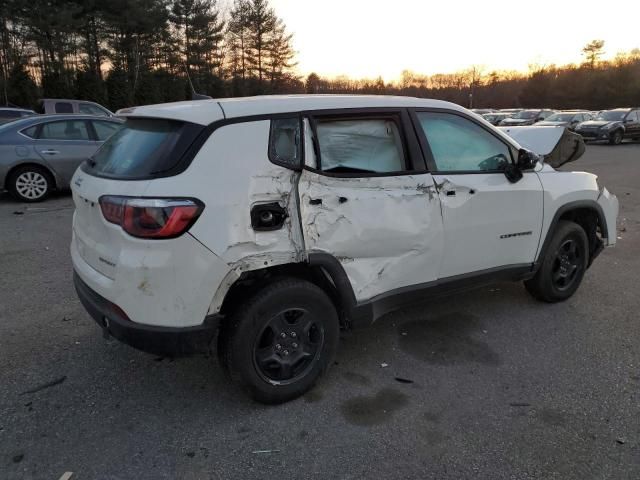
pixel 487 385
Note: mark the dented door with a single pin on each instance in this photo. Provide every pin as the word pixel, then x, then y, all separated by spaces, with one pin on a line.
pixel 385 231
pixel 384 228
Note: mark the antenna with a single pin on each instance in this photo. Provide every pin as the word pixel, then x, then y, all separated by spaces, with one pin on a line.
pixel 194 95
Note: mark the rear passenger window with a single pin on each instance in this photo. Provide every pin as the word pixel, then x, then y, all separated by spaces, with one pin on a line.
pixel 144 148
pixel 367 145
pixel 459 145
pixel 65 130
pixel 284 142
pixel 30 132
pixel 64 107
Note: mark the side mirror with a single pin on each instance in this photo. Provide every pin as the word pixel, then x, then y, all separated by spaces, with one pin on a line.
pixel 512 172
pixel 526 159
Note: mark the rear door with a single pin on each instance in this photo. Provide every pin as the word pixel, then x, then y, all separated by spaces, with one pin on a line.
pixel 64 145
pixel 489 223
pixel 366 199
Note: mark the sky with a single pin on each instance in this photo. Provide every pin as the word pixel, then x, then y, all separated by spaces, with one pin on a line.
pixel 371 38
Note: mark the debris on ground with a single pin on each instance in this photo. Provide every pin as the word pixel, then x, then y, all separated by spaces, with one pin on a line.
pixel 18 212
pixel 265 451
pixel 519 404
pixel 403 380
pixel 621 441
pixel 66 476
pixel 52 383
pixel 384 365
pixel 18 458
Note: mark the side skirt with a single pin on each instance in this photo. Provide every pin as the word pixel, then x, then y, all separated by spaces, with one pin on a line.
pixel 365 313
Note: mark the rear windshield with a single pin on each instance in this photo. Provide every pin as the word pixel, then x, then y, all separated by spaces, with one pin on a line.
pixel 143 148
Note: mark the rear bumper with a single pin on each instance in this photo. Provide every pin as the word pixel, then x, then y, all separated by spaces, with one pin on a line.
pixel 152 339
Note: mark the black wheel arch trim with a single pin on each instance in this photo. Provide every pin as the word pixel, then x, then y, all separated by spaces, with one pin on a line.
pixel 567 207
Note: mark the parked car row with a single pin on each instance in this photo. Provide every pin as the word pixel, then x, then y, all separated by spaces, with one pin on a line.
pixel 606 125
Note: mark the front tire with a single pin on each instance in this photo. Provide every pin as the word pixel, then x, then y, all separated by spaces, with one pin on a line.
pixel 280 342
pixel 30 184
pixel 563 266
pixel 616 137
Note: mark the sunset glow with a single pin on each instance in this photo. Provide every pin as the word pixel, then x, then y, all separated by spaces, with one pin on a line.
pixel 439 37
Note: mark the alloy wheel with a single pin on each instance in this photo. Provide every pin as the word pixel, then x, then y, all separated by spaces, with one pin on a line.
pixel 31 185
pixel 288 346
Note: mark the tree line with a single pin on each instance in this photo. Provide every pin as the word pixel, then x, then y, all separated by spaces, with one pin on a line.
pixel 133 52
pixel 125 52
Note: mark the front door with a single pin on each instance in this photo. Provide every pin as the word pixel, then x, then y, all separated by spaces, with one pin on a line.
pixel 489 222
pixel 366 200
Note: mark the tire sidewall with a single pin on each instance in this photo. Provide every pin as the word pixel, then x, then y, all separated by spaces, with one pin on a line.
pixel 252 322
pixel 19 171
pixel 567 230
pixel 616 137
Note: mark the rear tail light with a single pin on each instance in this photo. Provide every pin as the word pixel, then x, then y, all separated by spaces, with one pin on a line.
pixel 151 217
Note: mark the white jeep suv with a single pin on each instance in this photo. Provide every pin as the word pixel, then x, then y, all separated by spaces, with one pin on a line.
pixel 270 223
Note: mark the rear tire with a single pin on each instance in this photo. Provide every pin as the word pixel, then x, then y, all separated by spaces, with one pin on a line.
pixel 563 266
pixel 30 183
pixel 616 138
pixel 280 341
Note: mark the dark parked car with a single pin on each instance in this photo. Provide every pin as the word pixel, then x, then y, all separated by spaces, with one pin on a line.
pixel 8 114
pixel 527 117
pixel 41 153
pixel 612 125
pixel 496 118
pixel 566 119
pixel 64 106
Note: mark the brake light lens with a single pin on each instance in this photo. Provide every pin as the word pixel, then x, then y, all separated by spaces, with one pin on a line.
pixel 156 218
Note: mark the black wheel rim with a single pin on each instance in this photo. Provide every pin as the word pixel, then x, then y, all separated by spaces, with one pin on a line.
pixel 617 138
pixel 567 264
pixel 288 346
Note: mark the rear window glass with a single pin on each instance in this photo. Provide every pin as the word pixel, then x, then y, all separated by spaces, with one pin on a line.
pixel 64 107
pixel 143 148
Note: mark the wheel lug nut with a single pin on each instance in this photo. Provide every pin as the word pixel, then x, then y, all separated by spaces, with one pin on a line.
pixel 294 345
pixel 278 347
pixel 293 334
pixel 286 352
pixel 283 335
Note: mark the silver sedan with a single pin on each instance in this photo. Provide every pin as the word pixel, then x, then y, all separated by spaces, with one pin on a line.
pixel 39 154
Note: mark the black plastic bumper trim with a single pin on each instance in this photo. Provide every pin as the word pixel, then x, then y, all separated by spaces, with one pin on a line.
pixel 167 341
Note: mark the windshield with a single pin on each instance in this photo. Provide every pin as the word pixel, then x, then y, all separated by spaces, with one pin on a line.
pixel 611 115
pixel 561 117
pixel 526 114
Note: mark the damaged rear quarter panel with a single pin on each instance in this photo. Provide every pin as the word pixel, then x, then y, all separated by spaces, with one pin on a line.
pixel 231 174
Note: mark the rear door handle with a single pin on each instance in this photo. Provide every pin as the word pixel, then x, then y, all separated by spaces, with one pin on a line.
pixel 451 193
pixel 50 152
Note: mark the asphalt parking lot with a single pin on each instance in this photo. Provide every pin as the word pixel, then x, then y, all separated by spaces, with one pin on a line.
pixel 487 385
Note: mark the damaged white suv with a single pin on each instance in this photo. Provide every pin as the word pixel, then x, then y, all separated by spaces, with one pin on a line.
pixel 275 221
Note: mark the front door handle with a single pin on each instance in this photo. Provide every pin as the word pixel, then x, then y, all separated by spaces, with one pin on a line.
pixel 315 201
pixel 451 193
pixel 50 152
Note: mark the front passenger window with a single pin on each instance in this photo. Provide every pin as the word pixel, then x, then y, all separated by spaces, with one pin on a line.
pixel 459 145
